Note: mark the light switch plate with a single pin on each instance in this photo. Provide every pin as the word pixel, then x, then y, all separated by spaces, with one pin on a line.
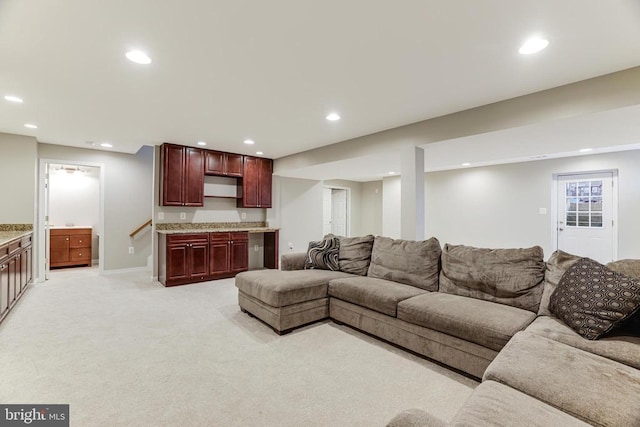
pixel 542 211
pixel 183 215
pixel 161 215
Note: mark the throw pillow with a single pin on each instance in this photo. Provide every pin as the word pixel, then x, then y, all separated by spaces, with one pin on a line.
pixel 593 299
pixel 323 255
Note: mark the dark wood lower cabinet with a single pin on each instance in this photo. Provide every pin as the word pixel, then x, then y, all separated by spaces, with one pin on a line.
pixel 16 263
pixel 196 257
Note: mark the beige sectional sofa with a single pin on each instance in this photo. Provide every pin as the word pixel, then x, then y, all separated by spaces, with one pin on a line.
pixel 476 310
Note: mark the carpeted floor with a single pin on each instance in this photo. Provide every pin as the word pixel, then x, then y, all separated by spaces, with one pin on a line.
pixel 125 351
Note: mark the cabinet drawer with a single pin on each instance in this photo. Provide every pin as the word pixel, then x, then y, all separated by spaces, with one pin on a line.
pixel 240 236
pixel 80 254
pixel 80 241
pixel 187 238
pixel 219 237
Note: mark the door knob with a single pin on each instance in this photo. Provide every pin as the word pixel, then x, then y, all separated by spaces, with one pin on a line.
pixel 560 229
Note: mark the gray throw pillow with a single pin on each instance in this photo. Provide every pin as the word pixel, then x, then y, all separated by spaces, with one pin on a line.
pixel 557 264
pixel 507 276
pixel 323 255
pixel 593 299
pixel 414 263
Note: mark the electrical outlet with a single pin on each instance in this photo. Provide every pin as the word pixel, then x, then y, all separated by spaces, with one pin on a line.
pixel 131 250
pixel 256 248
pixel 243 215
pixel 290 245
pixel 160 216
pixel 183 215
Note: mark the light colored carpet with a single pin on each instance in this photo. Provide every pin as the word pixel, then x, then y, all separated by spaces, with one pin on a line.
pixel 125 351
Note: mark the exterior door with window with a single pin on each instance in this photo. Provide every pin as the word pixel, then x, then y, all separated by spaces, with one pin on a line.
pixel 585 223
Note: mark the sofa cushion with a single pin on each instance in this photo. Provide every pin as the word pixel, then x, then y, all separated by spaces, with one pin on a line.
pixel 508 276
pixel 593 300
pixel 414 263
pixel 631 268
pixel 323 254
pixel 556 265
pixel 375 294
pixel 485 323
pixel 355 254
pixel 597 390
pixel 281 288
pixel 616 346
pixel 415 418
pixel 495 404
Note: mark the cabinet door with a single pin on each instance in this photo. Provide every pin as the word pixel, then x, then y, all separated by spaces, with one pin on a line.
pixel 4 288
pixel 177 261
pixel 239 252
pixel 199 260
pixel 250 182
pixel 234 164
pixel 29 256
pixel 24 262
pixel 214 163
pixel 264 183
pixel 13 279
pixel 173 175
pixel 194 177
pixel 219 253
pixel 58 250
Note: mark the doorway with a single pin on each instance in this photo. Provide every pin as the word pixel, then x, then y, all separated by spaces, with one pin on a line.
pixel 335 211
pixel 71 206
pixel 586 214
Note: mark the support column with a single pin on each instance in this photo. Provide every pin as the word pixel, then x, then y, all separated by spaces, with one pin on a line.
pixel 412 194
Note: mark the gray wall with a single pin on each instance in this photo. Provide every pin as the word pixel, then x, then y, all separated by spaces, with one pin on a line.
pixel 127 200
pixel 371 218
pixel 18 176
pixel 498 206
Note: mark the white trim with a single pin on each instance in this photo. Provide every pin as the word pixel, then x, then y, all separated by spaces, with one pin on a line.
pixel 43 165
pixel 127 270
pixel 614 210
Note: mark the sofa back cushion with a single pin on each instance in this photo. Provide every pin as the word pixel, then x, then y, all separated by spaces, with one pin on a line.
pixel 355 254
pixel 631 268
pixel 507 276
pixel 558 263
pixel 415 263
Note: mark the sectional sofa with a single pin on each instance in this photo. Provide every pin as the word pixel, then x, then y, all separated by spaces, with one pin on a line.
pixel 484 312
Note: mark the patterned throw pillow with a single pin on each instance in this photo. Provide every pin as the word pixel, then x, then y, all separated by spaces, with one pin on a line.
pixel 323 255
pixel 592 299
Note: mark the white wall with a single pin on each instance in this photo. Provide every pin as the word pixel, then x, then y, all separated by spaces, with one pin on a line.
pixel 498 206
pixel 74 200
pixel 128 195
pixel 391 203
pixel 371 208
pixel 355 203
pixel 18 177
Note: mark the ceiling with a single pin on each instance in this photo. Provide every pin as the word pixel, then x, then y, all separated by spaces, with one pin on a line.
pixel 223 72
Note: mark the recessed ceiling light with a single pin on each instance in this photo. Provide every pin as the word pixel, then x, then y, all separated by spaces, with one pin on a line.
pixel 466 164
pixel 106 145
pixel 585 150
pixel 392 173
pixel 138 56
pixel 202 143
pixel 259 153
pixel 533 45
pixel 12 98
pixel 30 126
pixel 249 141
pixel 333 117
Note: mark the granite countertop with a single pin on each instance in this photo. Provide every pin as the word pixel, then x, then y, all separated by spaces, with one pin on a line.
pixel 7 236
pixel 211 227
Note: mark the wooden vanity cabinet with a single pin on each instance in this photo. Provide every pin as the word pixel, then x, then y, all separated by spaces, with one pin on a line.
pixel 16 263
pixel 184 258
pixel 229 253
pixel 70 247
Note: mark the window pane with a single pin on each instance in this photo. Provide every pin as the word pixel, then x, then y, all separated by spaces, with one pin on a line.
pixel 596 188
pixel 583 188
pixel 596 220
pixel 583 204
pixel 583 220
pixel 571 219
pixel 572 204
pixel 596 204
pixel 571 189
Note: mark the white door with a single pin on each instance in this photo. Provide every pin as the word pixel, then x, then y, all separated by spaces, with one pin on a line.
pixel 326 211
pixel 585 223
pixel 339 212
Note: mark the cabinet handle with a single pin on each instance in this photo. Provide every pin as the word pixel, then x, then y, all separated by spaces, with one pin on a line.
pixel 67 239
pixel 80 241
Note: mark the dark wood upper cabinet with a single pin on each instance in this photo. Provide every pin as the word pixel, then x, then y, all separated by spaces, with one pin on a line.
pixel 255 189
pixel 182 175
pixel 223 164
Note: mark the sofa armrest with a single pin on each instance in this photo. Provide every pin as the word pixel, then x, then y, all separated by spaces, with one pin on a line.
pixel 415 418
pixel 293 261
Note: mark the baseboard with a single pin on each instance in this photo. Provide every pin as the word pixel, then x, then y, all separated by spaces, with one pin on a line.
pixel 126 270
